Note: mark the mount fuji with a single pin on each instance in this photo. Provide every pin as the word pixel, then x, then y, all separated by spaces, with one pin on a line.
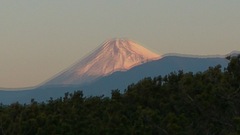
pixel 113 55
pixel 116 64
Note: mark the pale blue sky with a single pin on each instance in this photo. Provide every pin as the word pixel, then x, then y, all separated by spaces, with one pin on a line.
pixel 39 38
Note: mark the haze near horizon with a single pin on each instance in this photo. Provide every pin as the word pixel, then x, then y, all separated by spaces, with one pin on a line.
pixel 41 38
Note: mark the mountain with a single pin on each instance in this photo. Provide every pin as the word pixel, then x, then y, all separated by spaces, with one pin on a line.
pixel 117 80
pixel 113 55
pixel 116 64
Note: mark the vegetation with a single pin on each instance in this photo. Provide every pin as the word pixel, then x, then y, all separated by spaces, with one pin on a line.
pixel 205 103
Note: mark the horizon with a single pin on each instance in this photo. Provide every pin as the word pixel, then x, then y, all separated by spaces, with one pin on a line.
pixel 39 39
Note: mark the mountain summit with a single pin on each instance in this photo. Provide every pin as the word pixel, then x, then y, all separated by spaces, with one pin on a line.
pixel 113 55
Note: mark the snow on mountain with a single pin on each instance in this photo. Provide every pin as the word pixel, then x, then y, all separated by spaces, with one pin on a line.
pixel 113 55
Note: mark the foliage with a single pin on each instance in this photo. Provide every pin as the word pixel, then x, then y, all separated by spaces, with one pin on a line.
pixel 205 103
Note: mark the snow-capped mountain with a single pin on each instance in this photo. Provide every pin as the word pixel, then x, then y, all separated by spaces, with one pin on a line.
pixel 113 55
pixel 116 64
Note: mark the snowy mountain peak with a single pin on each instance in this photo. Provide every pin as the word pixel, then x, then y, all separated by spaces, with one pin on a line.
pixel 113 55
pixel 117 42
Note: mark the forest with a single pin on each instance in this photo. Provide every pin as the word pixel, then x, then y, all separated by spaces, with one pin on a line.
pixel 202 103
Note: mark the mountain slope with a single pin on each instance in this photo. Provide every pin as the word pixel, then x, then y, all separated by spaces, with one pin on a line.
pixel 113 55
pixel 164 66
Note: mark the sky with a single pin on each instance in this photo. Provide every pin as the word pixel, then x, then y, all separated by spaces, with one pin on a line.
pixel 40 38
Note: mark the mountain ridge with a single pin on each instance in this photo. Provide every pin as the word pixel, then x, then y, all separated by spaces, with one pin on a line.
pixel 118 80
